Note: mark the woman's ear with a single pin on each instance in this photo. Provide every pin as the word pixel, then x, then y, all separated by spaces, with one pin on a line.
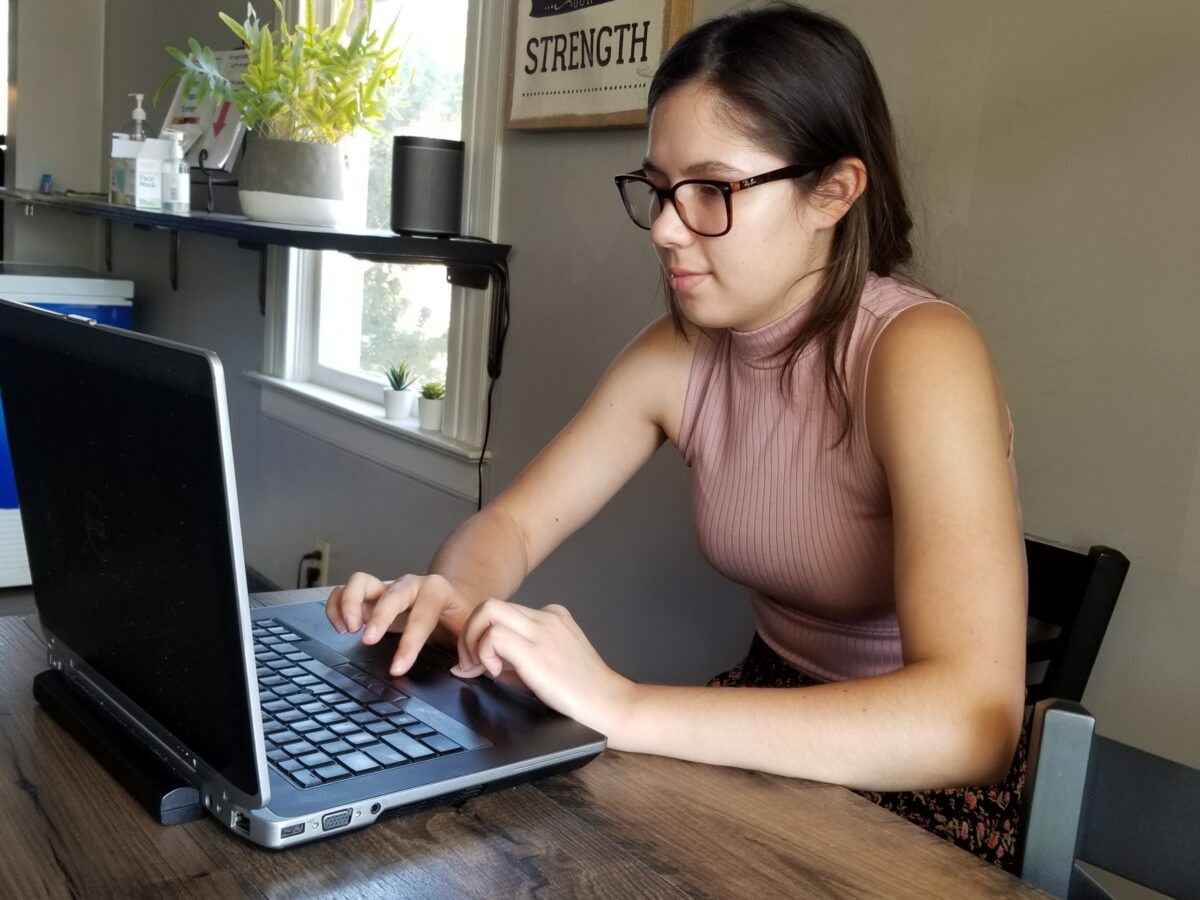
pixel 841 186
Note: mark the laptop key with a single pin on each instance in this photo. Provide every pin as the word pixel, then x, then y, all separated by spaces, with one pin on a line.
pixel 299 748
pixel 289 765
pixel 419 730
pixel 290 715
pixel 360 738
pixel 324 736
pixel 336 747
pixel 329 718
pixel 332 772
pixel 305 778
pixel 402 720
pixel 301 698
pixel 408 746
pixel 348 706
pixel 314 707
pixel 306 725
pixel 382 709
pixel 274 706
pixel 357 761
pixel 441 743
pixel 385 755
pixel 363 717
pixel 314 760
pixel 344 728
pixel 381 727
pixel 276 754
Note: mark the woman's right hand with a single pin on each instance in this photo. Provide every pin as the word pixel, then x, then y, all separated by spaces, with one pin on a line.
pixel 414 605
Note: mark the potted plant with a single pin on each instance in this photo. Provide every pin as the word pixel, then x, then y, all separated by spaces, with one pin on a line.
pixel 303 90
pixel 399 395
pixel 429 405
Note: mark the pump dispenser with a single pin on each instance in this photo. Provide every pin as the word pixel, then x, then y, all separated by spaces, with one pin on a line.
pixel 176 177
pixel 137 128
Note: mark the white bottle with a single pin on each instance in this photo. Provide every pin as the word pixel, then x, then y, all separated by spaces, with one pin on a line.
pixel 176 178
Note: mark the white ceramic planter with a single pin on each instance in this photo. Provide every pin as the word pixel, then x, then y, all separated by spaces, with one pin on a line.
pixel 430 413
pixel 398 404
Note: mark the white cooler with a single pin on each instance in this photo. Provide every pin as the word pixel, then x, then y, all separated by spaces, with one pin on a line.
pixel 65 290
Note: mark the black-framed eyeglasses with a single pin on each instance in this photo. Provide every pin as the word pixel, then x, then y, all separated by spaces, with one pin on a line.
pixel 703 205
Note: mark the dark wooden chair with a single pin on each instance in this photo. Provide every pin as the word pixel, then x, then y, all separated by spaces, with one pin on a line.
pixel 1092 799
pixel 1071 599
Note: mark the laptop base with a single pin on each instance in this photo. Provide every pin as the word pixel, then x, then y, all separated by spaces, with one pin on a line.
pixel 144 775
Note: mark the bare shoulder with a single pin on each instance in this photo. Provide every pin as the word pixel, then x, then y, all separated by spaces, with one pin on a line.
pixel 653 371
pixel 931 371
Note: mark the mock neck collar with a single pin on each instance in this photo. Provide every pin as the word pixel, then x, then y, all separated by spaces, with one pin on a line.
pixel 762 346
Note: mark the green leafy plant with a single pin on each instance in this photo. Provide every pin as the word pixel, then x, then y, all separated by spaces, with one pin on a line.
pixel 433 390
pixel 302 84
pixel 401 376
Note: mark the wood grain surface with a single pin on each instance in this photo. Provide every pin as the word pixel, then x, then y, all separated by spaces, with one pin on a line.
pixel 623 826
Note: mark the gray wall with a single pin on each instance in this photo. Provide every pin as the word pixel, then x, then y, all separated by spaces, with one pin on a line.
pixel 1051 148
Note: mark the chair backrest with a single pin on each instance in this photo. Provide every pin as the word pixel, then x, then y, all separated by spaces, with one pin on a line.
pixel 1071 599
pixel 1103 802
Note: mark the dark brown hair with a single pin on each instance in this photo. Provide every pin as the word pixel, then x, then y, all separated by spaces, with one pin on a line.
pixel 803 86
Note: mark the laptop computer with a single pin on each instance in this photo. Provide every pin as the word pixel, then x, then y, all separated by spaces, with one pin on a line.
pixel 288 731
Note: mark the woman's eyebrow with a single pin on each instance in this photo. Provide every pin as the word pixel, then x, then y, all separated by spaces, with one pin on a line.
pixel 710 168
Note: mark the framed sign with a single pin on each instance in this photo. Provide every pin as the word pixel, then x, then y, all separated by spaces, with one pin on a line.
pixel 588 63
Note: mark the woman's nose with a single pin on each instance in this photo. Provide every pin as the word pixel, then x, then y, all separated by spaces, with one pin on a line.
pixel 668 229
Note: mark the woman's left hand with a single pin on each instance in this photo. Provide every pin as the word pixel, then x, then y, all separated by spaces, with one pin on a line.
pixel 551 655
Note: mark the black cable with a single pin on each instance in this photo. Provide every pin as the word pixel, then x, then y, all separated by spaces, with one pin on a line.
pixel 312 554
pixel 498 332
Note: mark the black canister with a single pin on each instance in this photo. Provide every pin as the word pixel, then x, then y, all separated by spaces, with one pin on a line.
pixel 427 176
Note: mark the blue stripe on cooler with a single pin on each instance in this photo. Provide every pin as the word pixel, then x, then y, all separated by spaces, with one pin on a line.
pixel 8 485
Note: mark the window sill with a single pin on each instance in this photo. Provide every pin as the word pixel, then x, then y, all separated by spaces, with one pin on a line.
pixel 359 427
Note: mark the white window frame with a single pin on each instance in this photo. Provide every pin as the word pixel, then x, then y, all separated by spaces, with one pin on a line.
pixel 448 460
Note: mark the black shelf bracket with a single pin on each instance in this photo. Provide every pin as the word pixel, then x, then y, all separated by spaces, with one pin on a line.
pixel 262 273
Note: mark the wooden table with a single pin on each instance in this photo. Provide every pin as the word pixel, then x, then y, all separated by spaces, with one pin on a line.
pixel 623 826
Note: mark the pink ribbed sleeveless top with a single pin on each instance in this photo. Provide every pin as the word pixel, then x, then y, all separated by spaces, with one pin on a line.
pixel 806 525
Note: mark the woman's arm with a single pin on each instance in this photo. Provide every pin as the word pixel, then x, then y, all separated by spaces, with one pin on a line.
pixel 951 715
pixel 637 403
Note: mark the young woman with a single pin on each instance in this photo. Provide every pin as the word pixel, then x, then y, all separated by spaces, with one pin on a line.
pixel 850 450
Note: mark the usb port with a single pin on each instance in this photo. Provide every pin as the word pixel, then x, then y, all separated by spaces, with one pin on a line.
pixel 292 830
pixel 241 822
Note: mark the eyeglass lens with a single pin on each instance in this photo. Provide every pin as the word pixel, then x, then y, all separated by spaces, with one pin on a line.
pixel 702 207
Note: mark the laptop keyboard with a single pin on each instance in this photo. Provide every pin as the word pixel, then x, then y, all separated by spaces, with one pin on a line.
pixel 324 724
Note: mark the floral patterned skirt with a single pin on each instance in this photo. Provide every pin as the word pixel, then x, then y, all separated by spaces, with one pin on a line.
pixel 983 820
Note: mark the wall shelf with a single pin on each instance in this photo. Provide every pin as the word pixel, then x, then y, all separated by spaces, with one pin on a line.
pixel 470 262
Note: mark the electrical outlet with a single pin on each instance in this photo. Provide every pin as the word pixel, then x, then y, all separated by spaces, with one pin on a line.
pixel 322 546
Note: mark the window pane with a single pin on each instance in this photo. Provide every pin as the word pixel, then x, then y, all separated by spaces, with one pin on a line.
pixel 373 315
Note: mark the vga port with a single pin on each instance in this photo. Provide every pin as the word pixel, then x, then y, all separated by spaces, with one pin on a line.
pixel 339 819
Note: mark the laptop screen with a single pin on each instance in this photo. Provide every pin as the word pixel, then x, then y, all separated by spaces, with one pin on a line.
pixel 118 463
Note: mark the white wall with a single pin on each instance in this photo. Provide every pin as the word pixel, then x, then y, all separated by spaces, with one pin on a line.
pixel 1051 148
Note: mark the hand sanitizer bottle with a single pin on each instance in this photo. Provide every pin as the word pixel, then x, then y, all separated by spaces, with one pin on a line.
pixel 137 128
pixel 176 178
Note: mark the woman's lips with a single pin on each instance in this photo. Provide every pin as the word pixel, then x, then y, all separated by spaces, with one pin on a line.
pixel 682 280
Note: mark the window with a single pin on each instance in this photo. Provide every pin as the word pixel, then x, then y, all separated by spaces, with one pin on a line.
pixel 335 323
pixel 369 315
